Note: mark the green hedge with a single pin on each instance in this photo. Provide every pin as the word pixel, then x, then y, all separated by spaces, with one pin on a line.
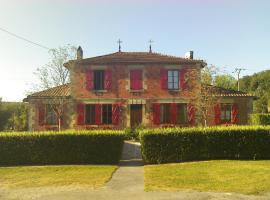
pixel 68 147
pixel 260 119
pixel 190 144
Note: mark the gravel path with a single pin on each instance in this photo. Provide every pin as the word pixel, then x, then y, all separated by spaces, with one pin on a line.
pixel 127 183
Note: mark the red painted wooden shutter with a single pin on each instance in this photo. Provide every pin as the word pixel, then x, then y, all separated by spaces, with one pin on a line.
pixel 156 113
pixel 41 114
pixel 173 111
pixel 136 79
pixel 217 110
pixel 191 114
pixel 108 79
pixel 164 78
pixel 182 80
pixel 234 113
pixel 89 77
pixel 98 114
pixel 115 114
pixel 80 114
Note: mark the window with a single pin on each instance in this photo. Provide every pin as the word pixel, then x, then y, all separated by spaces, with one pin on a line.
pixel 173 79
pixel 51 118
pixel 181 113
pixel 226 112
pixel 165 113
pixel 99 80
pixel 136 79
pixel 107 113
pixel 90 113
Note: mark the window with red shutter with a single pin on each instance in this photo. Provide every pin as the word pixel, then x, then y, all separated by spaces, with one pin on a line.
pixel 182 80
pixel 89 80
pixel 98 114
pixel 136 79
pixel 173 111
pixel 234 113
pixel 156 113
pixel 108 79
pixel 164 78
pixel 115 114
pixel 80 114
pixel 218 114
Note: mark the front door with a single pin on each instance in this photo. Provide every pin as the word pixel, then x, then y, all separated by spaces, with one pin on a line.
pixel 135 115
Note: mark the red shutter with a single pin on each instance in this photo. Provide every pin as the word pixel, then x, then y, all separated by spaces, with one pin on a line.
pixel 136 79
pixel 41 114
pixel 98 114
pixel 108 79
pixel 182 80
pixel 115 114
pixel 80 114
pixel 156 113
pixel 173 110
pixel 234 113
pixel 89 80
pixel 217 110
pixel 164 78
pixel 191 114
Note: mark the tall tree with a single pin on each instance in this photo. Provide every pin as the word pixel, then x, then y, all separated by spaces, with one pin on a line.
pixel 225 81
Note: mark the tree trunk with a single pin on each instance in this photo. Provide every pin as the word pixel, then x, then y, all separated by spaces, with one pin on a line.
pixel 59 123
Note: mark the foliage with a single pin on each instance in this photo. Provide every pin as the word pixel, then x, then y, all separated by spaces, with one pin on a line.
pixel 260 119
pixel 13 116
pixel 178 144
pixel 68 147
pixel 259 84
pixel 225 81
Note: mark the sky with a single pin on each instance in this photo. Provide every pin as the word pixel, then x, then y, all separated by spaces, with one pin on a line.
pixel 226 33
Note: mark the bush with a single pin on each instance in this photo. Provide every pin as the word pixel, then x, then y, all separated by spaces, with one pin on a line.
pixel 260 119
pixel 190 144
pixel 68 147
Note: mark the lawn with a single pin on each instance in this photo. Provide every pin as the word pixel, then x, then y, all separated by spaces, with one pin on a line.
pixel 247 177
pixel 39 176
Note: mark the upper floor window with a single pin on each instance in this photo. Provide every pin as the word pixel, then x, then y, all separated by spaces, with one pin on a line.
pixel 136 79
pixel 226 113
pixel 99 79
pixel 173 79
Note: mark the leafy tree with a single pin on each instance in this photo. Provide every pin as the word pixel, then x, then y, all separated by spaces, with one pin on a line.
pixel 225 81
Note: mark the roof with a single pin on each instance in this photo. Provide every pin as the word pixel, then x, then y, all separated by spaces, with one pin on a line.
pixel 59 91
pixel 64 91
pixel 138 58
pixel 219 91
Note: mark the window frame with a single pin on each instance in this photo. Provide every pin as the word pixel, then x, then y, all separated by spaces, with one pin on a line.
pixel 174 79
pixel 99 79
pixel 107 109
pixel 91 114
pixel 52 119
pixel 165 113
pixel 226 113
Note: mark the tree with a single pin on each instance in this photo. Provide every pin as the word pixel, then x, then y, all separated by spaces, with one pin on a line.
pixel 225 81
pixel 204 95
pixel 55 74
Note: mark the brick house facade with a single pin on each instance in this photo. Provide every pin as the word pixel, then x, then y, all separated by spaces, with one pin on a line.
pixel 126 89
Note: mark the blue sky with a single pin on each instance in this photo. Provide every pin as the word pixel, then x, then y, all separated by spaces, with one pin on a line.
pixel 225 33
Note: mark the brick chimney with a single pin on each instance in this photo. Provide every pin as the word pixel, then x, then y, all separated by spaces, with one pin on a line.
pixel 79 53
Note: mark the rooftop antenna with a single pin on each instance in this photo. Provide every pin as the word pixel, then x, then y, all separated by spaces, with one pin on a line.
pixel 238 71
pixel 119 45
pixel 150 45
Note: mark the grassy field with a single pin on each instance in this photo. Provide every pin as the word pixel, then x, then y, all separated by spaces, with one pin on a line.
pixel 247 177
pixel 35 176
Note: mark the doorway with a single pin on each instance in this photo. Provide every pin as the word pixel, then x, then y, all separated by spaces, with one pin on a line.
pixel 135 115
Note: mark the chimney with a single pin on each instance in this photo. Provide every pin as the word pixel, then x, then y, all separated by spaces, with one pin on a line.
pixel 189 55
pixel 79 53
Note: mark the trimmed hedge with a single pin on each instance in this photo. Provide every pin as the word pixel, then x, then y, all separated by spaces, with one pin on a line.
pixel 190 144
pixel 68 147
pixel 260 119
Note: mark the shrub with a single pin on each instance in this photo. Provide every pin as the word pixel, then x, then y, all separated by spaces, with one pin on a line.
pixel 189 144
pixel 260 119
pixel 68 147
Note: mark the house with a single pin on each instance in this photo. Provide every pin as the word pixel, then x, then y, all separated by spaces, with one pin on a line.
pixel 126 89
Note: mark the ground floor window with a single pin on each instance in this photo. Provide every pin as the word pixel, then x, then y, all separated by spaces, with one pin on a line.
pixel 181 113
pixel 94 113
pixel 166 113
pixel 226 113
pixel 51 118
pixel 107 113
pixel 90 114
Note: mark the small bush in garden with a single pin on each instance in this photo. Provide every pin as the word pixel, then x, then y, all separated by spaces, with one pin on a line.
pixel 188 144
pixel 260 119
pixel 67 147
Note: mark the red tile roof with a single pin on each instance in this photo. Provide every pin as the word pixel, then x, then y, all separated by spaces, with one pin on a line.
pixel 59 91
pixel 219 91
pixel 138 58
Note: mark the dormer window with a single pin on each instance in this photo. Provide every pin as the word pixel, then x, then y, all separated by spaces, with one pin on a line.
pixel 173 79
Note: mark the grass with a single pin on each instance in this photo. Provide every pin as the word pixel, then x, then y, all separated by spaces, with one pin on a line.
pixel 41 176
pixel 246 177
